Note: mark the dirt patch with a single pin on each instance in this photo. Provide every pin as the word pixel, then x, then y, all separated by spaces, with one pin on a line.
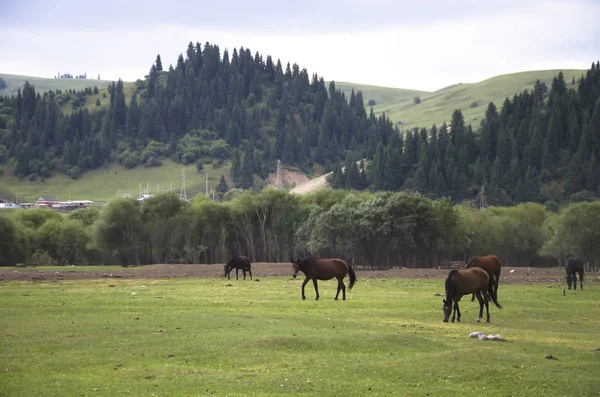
pixel 510 275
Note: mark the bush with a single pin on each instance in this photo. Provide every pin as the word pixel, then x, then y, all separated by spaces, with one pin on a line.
pixel 417 100
pixel 473 105
pixel 371 102
pixel 199 165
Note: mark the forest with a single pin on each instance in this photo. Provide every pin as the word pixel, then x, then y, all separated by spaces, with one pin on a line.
pixel 542 145
pixel 373 229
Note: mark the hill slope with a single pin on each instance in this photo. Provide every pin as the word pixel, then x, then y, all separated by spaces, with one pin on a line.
pixel 437 107
pixel 43 84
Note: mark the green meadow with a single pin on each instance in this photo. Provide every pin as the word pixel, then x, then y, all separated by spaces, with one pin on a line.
pixel 43 84
pixel 471 98
pixel 211 336
pixel 103 183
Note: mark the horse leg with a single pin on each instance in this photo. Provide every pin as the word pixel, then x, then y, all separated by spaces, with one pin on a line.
pixel 303 284
pixel 341 286
pixel 236 273
pixel 480 300
pixel 250 272
pixel 581 279
pixel 473 297
pixel 457 311
pixel 316 287
pixel 244 272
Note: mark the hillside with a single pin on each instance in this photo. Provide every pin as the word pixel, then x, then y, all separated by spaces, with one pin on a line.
pixel 43 84
pixel 104 183
pixel 472 99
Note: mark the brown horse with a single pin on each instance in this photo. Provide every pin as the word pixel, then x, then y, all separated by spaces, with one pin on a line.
pixel 492 265
pixel 237 262
pixel 324 269
pixel 463 282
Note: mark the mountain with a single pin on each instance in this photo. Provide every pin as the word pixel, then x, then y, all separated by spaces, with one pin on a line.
pixel 238 113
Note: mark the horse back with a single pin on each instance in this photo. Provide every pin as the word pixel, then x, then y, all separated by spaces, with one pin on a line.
pixel 466 281
pixel 490 263
pixel 326 269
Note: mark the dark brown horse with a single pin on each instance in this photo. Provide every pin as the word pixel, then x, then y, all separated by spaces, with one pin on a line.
pixel 324 269
pixel 492 266
pixel 463 282
pixel 574 266
pixel 237 262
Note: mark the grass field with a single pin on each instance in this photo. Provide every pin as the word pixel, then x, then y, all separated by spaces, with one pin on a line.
pixel 437 107
pixel 210 336
pixel 43 84
pixel 103 184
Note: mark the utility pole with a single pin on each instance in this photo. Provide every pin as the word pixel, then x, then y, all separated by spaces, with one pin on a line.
pixel 278 181
pixel 182 193
pixel 482 199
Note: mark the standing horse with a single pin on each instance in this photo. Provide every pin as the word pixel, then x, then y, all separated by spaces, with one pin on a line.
pixel 463 282
pixel 492 266
pixel 324 269
pixel 573 266
pixel 237 262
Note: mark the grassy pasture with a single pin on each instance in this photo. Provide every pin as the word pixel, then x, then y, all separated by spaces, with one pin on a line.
pixel 103 183
pixel 203 336
pixel 43 84
pixel 438 106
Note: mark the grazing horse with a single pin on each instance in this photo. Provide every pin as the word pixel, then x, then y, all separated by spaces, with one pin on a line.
pixel 573 266
pixel 324 269
pixel 463 282
pixel 237 262
pixel 492 266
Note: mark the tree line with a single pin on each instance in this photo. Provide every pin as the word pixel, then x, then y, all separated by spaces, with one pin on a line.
pixel 381 229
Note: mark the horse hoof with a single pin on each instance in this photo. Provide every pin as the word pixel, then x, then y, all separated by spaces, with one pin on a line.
pixel 452 320
pixel 487 321
pixel 478 320
pixel 304 298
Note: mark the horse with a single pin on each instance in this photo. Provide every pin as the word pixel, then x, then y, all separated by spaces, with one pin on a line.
pixel 573 266
pixel 237 262
pixel 492 265
pixel 463 282
pixel 324 269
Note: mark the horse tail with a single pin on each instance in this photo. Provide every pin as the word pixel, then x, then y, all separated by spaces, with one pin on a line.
pixel 493 292
pixel 352 276
pixel 471 262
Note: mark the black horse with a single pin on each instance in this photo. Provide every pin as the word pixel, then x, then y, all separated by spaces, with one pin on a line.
pixel 574 266
pixel 324 269
pixel 237 262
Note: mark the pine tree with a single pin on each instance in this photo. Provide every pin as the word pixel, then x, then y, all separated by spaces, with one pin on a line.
pixel 158 64
pixel 222 186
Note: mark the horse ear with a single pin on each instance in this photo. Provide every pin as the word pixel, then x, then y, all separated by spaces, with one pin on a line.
pixel 444 300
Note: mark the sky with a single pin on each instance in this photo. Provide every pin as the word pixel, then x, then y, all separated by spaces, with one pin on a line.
pixel 416 44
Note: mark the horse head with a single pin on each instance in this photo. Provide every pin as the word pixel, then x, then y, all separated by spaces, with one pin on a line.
pixel 295 267
pixel 447 308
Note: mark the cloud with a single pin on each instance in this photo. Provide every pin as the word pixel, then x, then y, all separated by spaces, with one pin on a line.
pixel 442 44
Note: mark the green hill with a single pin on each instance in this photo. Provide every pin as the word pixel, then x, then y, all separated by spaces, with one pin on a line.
pixel 103 184
pixel 383 96
pixel 472 99
pixel 43 84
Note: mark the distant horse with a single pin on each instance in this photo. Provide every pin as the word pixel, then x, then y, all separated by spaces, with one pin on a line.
pixel 573 266
pixel 463 282
pixel 324 269
pixel 492 266
pixel 237 262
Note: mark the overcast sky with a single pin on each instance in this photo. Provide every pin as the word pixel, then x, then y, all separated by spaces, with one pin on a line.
pixel 419 44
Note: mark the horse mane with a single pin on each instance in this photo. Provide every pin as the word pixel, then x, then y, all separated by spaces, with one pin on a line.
pixel 471 262
pixel 449 285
